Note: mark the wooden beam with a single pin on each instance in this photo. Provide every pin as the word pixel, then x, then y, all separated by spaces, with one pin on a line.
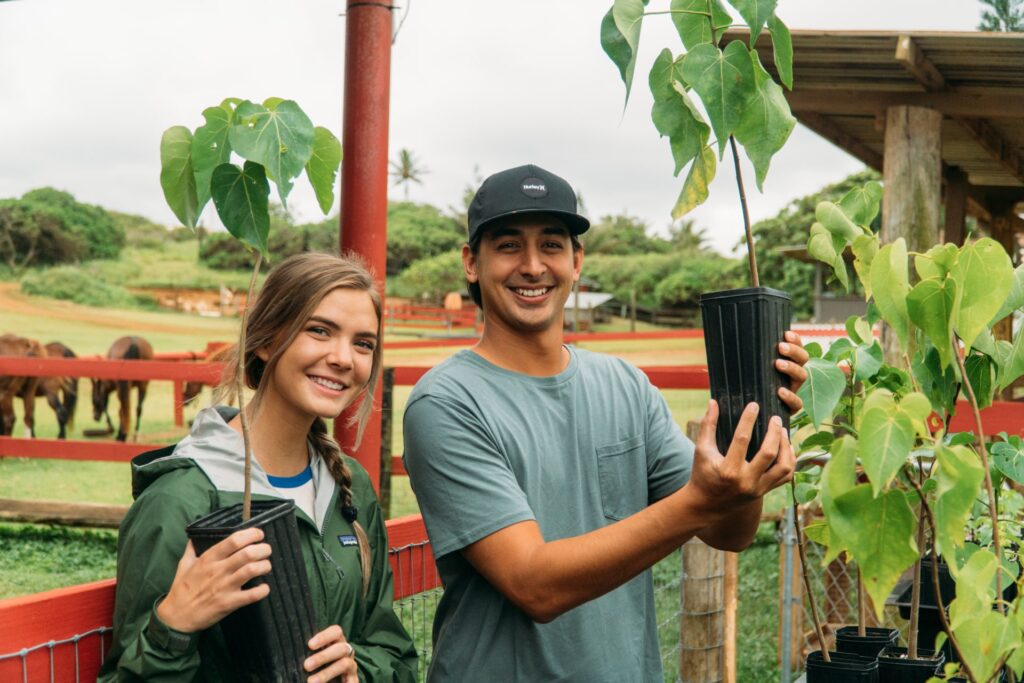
pixel 995 144
pixel 837 136
pixel 956 205
pixel 854 101
pixel 918 65
pixel 60 512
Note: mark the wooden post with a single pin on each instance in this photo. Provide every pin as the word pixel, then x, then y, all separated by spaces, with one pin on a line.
pixel 702 608
pixel 386 403
pixel 956 205
pixel 179 403
pixel 732 586
pixel 632 310
pixel 912 178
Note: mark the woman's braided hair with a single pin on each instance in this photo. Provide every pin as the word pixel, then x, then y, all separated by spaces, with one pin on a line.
pixel 288 298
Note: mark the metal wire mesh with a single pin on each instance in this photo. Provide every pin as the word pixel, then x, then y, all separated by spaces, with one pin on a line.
pixel 58 653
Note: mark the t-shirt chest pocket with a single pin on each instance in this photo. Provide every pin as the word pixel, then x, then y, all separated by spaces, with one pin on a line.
pixel 621 468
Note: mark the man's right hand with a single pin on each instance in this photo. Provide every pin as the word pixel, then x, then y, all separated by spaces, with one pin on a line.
pixel 209 587
pixel 721 485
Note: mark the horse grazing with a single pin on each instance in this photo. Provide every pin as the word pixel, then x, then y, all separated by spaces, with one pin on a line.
pixel 125 348
pixel 12 387
pixel 60 392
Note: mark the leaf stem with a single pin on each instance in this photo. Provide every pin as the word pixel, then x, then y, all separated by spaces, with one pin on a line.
pixel 803 571
pixel 239 387
pixel 751 255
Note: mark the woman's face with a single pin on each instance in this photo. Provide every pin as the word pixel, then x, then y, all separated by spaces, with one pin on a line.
pixel 330 360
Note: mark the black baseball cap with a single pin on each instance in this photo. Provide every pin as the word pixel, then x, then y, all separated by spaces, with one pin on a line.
pixel 524 189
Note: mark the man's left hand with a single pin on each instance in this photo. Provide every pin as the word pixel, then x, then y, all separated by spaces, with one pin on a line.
pixel 794 357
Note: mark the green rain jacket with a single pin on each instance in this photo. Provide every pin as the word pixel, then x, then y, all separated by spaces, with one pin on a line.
pixel 176 485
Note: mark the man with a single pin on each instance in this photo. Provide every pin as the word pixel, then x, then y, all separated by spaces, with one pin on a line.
pixel 550 478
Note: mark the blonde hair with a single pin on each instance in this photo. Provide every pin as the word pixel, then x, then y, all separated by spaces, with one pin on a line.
pixel 287 300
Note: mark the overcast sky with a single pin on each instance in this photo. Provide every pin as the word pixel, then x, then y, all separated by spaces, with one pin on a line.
pixel 88 86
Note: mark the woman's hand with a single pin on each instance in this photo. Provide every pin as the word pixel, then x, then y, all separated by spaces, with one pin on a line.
pixel 208 588
pixel 792 349
pixel 336 657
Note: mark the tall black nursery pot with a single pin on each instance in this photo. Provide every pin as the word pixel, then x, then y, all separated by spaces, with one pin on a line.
pixel 894 667
pixel 868 645
pixel 267 639
pixel 844 668
pixel 742 331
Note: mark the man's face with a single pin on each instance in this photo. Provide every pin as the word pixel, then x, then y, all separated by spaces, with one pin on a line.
pixel 526 268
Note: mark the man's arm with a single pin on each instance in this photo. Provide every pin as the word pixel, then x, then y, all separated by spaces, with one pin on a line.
pixel 546 579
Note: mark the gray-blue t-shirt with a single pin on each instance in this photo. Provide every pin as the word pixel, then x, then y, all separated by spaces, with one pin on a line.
pixel 486 448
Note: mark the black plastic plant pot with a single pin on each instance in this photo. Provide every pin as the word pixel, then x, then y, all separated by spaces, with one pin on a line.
pixel 742 331
pixel 267 639
pixel 894 667
pixel 844 668
pixel 868 645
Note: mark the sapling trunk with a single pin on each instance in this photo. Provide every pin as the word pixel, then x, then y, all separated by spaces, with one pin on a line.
pixel 862 606
pixel 751 254
pixel 240 387
pixel 915 591
pixel 803 572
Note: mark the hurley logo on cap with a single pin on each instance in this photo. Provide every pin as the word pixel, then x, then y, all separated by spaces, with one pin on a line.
pixel 535 188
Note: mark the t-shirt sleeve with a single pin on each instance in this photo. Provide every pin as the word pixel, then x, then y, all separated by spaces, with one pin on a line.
pixel 669 452
pixel 463 483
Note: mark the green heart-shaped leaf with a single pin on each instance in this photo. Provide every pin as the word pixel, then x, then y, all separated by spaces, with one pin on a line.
pixel 864 247
pixel 861 204
pixel 210 148
pixel 1015 299
pixel 693 19
pixel 322 168
pixel 890 287
pixel 782 49
pixel 980 370
pixel 280 139
pixel 936 262
pixel 985 277
pixel 765 123
pixel 176 176
pixel 755 13
pixel 930 306
pixel 695 187
pixel 822 390
pixel 620 36
pixel 828 248
pixel 673 113
pixel 241 198
pixel 838 477
pixel 724 81
pixel 884 444
pixel 836 221
pixel 879 533
pixel 984 636
pixel 867 360
pixel 959 478
pixel 1009 459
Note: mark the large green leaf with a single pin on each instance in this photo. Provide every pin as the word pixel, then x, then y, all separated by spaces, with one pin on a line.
pixel 828 248
pixel 864 248
pixel 176 177
pixel 241 197
pixel 766 121
pixel 938 382
pixel 879 533
pixel 836 221
pixel 889 287
pixel 1008 458
pixel 985 277
pixel 673 113
pixel 838 477
pixel 724 81
pixel 868 360
pixel 1015 299
pixel 959 479
pixel 620 37
pixel 693 19
pixel 937 261
pixel 984 638
pixel 755 13
pixel 980 370
pixel 822 390
pixel 1010 359
pixel 918 408
pixel 861 204
pixel 884 444
pixel 322 167
pixel 695 187
pixel 930 306
pixel 280 139
pixel 782 49
pixel 210 149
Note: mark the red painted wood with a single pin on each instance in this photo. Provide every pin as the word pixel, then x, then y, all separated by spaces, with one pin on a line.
pixel 1001 416
pixel 109 451
pixel 22 366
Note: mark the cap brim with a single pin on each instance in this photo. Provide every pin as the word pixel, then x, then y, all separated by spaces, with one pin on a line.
pixel 576 223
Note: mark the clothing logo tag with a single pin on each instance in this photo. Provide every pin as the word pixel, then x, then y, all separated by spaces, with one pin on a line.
pixel 347 541
pixel 534 187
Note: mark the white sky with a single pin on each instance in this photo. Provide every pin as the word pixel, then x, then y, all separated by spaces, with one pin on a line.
pixel 87 88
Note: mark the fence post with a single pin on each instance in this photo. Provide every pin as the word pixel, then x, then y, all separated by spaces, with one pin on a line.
pixel 179 403
pixel 788 619
pixel 732 578
pixel 632 310
pixel 386 403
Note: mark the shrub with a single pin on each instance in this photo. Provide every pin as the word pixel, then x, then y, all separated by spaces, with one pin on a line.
pixel 419 231
pixel 100 233
pixel 31 235
pixel 432 278
pixel 81 287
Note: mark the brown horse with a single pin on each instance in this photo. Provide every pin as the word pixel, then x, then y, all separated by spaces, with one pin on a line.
pixel 125 348
pixel 12 387
pixel 60 392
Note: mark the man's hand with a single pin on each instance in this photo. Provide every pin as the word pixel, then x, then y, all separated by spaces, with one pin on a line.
pixel 722 484
pixel 793 349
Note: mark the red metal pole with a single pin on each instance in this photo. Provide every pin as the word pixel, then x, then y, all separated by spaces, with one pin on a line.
pixel 364 174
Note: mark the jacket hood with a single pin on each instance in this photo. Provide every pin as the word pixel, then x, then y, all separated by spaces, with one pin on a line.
pixel 219 452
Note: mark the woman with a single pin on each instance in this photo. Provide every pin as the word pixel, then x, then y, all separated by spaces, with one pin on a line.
pixel 312 349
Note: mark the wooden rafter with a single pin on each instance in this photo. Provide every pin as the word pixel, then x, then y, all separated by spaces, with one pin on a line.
pixel 917 64
pixel 857 102
pixel 837 136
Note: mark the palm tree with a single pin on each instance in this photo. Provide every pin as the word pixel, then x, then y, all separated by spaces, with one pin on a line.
pixel 1006 15
pixel 406 169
